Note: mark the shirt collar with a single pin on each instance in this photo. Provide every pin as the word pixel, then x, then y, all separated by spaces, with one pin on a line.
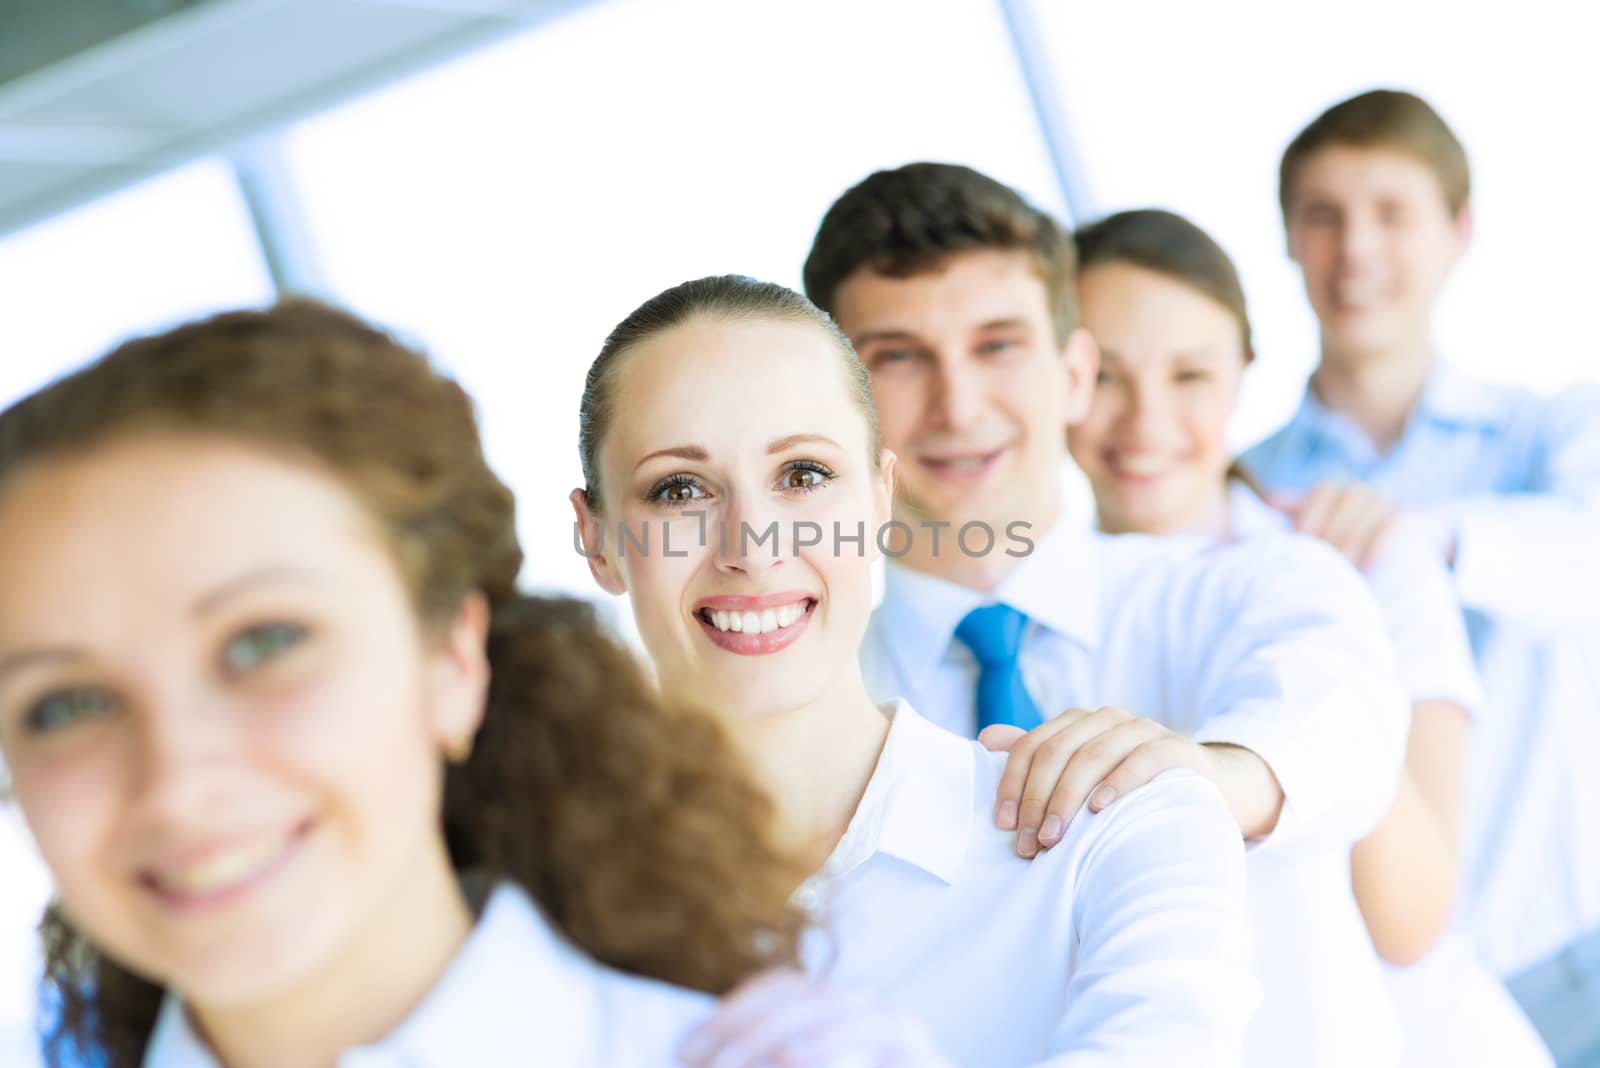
pixel 1449 398
pixel 918 806
pixel 1452 397
pixel 512 959
pixel 1055 586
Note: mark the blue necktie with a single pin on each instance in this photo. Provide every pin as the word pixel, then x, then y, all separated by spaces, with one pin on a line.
pixel 994 634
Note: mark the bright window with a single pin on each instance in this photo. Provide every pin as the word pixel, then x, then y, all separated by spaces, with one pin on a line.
pixel 510 208
pixel 166 250
pixel 1188 106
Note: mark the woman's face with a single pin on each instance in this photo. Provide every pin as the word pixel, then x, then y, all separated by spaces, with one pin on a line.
pixel 1154 446
pixel 222 719
pixel 737 451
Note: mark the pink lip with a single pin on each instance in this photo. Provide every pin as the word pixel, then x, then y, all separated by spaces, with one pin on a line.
pixel 944 466
pixel 184 901
pixel 756 644
pixel 743 603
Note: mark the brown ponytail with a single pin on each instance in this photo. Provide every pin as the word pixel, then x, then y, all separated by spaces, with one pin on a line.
pixel 632 825
pixel 652 855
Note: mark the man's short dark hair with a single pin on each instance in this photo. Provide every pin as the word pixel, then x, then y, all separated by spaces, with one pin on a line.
pixel 1384 118
pixel 909 220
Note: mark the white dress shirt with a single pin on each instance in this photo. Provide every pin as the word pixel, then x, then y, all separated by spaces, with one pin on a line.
pixel 1124 945
pixel 1454 1012
pixel 1419 607
pixel 517 994
pixel 1516 477
pixel 1271 643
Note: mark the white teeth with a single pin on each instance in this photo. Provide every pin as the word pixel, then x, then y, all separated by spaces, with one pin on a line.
pixel 1358 292
pixel 222 869
pixel 763 622
pixel 1141 465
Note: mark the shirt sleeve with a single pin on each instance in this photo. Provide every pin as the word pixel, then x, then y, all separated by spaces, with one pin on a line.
pixel 1163 973
pixel 1423 618
pixel 1288 657
pixel 1531 555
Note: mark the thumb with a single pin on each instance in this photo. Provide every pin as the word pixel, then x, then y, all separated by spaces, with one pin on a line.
pixel 1288 503
pixel 1000 737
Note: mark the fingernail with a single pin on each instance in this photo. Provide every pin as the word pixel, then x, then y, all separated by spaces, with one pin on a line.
pixel 1008 816
pixel 1051 829
pixel 1102 797
pixel 1027 842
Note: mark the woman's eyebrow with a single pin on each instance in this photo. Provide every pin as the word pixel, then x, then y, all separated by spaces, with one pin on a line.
pixel 696 453
pixel 34 657
pixel 785 443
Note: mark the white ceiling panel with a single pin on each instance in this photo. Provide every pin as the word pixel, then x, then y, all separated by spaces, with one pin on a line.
pixel 210 75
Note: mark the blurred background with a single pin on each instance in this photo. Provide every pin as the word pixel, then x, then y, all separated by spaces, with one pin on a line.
pixel 502 180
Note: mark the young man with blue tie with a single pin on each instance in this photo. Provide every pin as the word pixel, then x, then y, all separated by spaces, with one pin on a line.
pixel 1261 664
pixel 1375 195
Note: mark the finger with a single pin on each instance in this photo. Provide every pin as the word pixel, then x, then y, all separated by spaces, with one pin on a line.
pixel 1372 546
pixel 1049 763
pixel 1353 520
pixel 1339 522
pixel 1287 503
pixel 862 1040
pixel 740 1011
pixel 1312 515
pixel 1089 768
pixel 1159 754
pixel 1008 796
pixel 1378 517
pixel 762 1042
pixel 999 737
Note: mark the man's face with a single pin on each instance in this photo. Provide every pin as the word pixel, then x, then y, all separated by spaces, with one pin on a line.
pixel 974 391
pixel 1374 239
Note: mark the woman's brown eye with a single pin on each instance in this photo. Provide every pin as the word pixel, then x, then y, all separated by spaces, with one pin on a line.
pixel 681 492
pixel 802 479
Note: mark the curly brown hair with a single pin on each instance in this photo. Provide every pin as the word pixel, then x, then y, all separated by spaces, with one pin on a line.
pixel 632 824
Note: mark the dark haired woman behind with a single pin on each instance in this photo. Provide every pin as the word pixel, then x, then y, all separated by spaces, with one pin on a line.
pixel 1166 306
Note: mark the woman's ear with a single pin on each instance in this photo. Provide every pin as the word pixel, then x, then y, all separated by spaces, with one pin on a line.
pixel 589 538
pixel 461 678
pixel 884 492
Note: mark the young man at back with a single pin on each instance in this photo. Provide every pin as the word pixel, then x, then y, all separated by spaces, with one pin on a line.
pixel 1262 664
pixel 1376 204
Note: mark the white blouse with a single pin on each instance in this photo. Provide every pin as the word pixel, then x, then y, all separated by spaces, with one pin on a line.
pixel 1273 643
pixel 517 994
pixel 1125 944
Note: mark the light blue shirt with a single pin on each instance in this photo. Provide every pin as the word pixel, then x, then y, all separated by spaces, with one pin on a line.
pixel 1517 477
